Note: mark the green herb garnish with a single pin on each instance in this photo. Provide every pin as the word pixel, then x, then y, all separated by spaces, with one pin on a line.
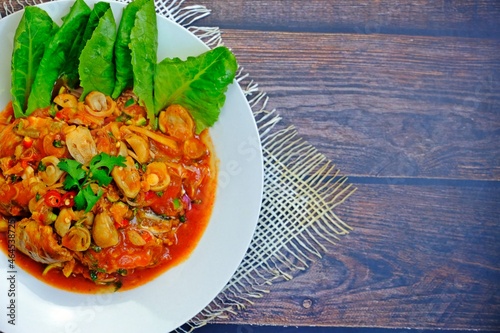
pixel 130 102
pixel 93 274
pixel 96 248
pixel 81 179
pixel 177 204
pixel 41 167
pixel 57 143
pixel 32 33
pixel 198 83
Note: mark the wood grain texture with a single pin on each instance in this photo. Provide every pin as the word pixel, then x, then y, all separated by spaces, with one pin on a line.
pixel 421 17
pixel 384 105
pixel 419 257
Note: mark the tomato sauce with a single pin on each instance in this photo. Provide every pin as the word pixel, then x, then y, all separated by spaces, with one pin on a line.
pixel 188 235
pixel 145 222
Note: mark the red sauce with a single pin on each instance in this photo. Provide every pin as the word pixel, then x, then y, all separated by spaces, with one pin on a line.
pixel 188 235
pixel 197 186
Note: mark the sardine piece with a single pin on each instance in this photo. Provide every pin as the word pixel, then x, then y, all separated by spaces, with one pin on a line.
pixel 39 242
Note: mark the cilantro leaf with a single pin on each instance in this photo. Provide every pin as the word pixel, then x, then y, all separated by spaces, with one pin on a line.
pixel 101 166
pixel 70 182
pixel 80 202
pixel 78 178
pixel 101 177
pixel 73 168
pixel 91 197
pixel 86 198
pixel 104 160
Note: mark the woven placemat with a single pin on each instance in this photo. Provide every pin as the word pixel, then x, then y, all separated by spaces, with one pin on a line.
pixel 302 188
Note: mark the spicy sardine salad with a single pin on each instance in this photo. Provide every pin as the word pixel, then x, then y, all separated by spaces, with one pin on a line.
pixel 107 172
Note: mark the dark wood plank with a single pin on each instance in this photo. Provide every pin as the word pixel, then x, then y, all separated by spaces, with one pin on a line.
pixel 422 17
pixel 444 17
pixel 384 105
pixel 419 257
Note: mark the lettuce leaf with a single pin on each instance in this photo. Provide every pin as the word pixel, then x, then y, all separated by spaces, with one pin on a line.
pixel 56 55
pixel 144 47
pixel 123 54
pixel 97 68
pixel 198 83
pixel 32 33
pixel 70 71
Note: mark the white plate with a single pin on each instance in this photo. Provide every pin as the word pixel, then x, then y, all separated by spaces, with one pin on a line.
pixel 180 293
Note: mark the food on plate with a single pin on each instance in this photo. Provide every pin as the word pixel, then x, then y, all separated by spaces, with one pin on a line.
pixel 95 192
pixel 107 174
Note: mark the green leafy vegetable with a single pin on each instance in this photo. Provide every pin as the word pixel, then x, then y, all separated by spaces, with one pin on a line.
pixel 123 54
pixel 56 55
pixel 109 61
pixel 33 32
pixel 80 179
pixel 70 71
pixel 102 165
pixel 177 204
pixel 93 275
pixel 199 84
pixel 97 69
pixel 143 46
pixel 75 173
pixel 86 198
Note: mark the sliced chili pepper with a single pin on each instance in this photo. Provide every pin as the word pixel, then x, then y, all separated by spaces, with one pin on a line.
pixel 68 199
pixel 122 224
pixel 146 236
pixel 27 142
pixel 53 198
pixel 150 196
pixel 24 164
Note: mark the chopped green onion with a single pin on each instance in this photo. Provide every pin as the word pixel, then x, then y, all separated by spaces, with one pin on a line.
pixel 93 275
pixel 52 217
pixel 57 143
pixel 95 248
pixel 130 102
pixel 42 167
pixel 177 204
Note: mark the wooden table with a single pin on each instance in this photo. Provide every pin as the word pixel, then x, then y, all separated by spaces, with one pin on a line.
pixel 405 98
